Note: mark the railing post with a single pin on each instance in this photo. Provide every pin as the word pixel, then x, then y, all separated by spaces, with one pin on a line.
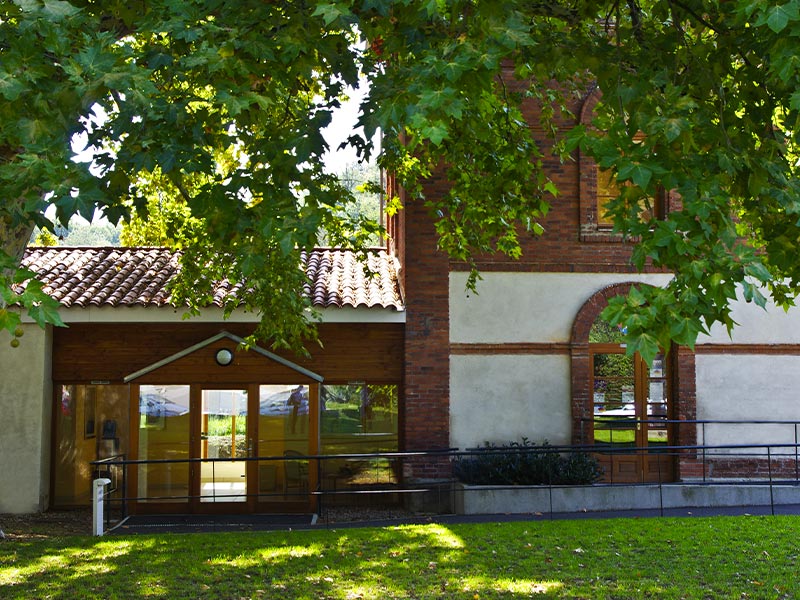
pixel 769 473
pixel 703 427
pixel 98 497
pixel 796 472
pixel 124 468
pixel 660 488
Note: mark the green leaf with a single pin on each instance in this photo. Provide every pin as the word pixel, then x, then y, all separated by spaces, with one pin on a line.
pixel 639 174
pixel 673 129
pixel 435 133
pixel 56 10
pixel 778 16
pixel 551 188
pixel 10 87
pixel 759 271
pixel 330 12
pixel 646 345
pixel 636 297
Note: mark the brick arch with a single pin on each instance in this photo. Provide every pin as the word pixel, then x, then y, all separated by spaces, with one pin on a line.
pixel 582 401
pixel 592 308
pixel 683 377
pixel 589 102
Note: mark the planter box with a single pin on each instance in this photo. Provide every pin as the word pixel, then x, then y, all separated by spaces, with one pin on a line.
pixel 491 499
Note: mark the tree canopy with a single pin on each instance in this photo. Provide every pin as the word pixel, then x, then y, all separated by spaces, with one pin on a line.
pixel 166 87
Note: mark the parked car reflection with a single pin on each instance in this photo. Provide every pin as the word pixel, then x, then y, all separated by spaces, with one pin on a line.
pixel 154 405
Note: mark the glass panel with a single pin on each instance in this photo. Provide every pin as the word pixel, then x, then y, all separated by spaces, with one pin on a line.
pixel 613 384
pixel 91 424
pixel 603 333
pixel 614 400
pixel 358 419
pixel 283 435
pixel 607 190
pixel 223 435
pixel 657 403
pixel 164 423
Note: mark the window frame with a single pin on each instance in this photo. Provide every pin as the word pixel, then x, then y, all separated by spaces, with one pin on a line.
pixel 592 227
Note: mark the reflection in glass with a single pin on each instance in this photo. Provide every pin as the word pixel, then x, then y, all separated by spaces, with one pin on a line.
pixel 74 450
pixel 614 400
pixel 223 435
pixel 358 419
pixel 283 428
pixel 164 422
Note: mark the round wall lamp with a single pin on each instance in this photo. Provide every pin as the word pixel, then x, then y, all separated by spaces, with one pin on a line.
pixel 224 357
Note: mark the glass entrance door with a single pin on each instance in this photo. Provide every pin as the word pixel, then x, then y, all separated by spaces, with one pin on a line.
pixel 223 446
pixel 241 448
pixel 287 432
pixel 163 431
pixel 630 416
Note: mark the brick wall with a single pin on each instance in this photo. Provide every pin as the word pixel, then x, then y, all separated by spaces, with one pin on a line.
pixel 564 247
pixel 427 357
pixel 571 241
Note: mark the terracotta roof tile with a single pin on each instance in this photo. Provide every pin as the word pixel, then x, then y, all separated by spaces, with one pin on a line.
pixel 106 276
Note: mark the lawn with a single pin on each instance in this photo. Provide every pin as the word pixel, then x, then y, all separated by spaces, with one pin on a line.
pixel 722 557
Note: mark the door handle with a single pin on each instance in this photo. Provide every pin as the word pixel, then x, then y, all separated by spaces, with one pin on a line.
pixel 250 448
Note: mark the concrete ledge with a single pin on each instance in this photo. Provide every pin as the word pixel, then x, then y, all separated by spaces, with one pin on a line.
pixel 476 500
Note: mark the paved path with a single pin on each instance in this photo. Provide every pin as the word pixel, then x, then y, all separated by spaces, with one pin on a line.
pixel 140 524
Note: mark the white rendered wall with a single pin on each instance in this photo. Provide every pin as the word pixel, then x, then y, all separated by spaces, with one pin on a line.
pixel 526 307
pixel 758 326
pixel 535 308
pixel 742 387
pixel 503 398
pixel 25 404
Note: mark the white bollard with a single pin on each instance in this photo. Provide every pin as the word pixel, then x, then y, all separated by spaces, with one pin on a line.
pixel 98 491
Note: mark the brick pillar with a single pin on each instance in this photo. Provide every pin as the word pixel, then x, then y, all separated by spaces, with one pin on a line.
pixel 685 390
pixel 426 386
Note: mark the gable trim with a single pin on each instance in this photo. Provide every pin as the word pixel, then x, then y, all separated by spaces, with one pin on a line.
pixel 214 338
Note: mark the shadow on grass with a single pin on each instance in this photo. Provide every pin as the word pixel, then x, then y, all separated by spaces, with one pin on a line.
pixel 665 558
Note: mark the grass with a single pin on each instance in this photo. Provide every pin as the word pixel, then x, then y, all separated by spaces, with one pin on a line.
pixel 721 557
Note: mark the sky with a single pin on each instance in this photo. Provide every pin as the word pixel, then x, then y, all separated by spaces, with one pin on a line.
pixel 341 127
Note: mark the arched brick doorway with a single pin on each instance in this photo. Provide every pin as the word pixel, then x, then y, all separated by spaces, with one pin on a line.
pixel 635 415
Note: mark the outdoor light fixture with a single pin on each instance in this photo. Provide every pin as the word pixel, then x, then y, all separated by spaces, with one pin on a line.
pixel 224 357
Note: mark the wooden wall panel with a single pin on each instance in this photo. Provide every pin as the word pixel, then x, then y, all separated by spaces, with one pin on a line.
pixel 109 351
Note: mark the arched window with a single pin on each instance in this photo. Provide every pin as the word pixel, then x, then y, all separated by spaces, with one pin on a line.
pixel 599 186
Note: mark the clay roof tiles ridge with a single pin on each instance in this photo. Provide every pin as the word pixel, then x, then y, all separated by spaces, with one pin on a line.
pixel 112 276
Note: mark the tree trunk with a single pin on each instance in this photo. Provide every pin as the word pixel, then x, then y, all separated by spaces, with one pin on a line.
pixel 14 238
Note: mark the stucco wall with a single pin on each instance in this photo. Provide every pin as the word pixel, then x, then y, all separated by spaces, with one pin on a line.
pixel 743 387
pixel 25 405
pixel 758 326
pixel 503 398
pixel 525 307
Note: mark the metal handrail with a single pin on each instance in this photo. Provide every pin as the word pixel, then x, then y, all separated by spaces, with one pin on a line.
pixel 768 452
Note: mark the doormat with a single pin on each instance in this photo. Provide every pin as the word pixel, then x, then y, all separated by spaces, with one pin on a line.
pixel 139 524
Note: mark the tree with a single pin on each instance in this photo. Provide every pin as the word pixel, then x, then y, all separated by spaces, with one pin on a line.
pixel 363 181
pixel 81 233
pixel 699 96
pixel 165 219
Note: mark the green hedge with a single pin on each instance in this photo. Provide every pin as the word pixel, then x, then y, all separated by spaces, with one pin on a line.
pixel 525 463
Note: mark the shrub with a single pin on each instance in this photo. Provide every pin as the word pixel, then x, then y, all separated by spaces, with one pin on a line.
pixel 525 463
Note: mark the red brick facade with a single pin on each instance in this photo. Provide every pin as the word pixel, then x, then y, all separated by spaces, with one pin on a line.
pixel 572 243
pixel 425 274
pixel 426 382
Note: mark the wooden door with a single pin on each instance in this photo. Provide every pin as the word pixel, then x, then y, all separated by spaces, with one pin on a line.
pixel 631 407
